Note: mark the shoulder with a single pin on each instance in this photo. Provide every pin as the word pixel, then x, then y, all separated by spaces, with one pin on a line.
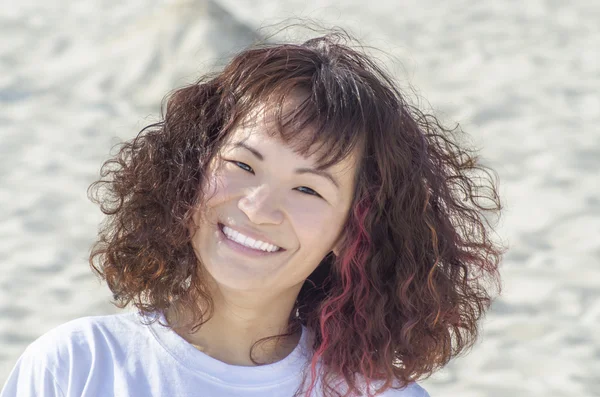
pixel 67 353
pixel 412 390
pixel 396 390
pixel 85 334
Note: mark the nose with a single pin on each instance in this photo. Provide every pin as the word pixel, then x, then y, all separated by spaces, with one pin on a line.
pixel 261 206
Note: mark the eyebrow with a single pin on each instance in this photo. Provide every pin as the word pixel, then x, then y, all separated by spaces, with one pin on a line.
pixel 314 171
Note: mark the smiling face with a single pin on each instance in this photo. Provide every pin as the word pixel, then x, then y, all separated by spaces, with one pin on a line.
pixel 270 216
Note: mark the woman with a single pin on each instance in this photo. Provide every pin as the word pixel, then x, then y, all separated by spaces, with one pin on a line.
pixel 291 227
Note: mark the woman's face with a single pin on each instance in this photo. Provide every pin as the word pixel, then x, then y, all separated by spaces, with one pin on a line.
pixel 269 217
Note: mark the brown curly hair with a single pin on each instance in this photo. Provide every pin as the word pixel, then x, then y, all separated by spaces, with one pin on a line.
pixel 417 265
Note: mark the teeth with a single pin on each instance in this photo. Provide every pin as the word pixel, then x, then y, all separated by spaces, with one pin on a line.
pixel 248 241
pixel 257 245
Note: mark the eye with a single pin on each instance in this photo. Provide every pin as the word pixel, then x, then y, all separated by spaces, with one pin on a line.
pixel 243 166
pixel 307 190
pixel 302 189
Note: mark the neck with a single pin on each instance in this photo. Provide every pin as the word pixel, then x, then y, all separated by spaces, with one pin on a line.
pixel 238 322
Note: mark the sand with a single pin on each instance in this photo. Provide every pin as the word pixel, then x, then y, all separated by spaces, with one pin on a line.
pixel 521 78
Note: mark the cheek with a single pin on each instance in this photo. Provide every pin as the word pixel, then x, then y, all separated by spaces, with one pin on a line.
pixel 218 183
pixel 218 189
pixel 215 190
pixel 318 229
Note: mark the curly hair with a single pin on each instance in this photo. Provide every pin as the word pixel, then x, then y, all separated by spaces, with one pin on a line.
pixel 417 267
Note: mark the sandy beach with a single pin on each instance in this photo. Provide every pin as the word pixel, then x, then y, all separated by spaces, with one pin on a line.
pixel 523 79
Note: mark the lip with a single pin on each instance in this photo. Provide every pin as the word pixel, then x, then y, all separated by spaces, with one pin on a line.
pixel 242 248
pixel 250 234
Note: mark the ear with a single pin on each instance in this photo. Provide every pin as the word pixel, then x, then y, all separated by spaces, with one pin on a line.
pixel 339 241
pixel 338 245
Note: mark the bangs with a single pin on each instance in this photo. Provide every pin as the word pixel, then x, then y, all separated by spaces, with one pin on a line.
pixel 328 132
pixel 316 106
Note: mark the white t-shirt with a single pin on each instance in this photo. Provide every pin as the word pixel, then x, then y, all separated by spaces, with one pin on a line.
pixel 118 355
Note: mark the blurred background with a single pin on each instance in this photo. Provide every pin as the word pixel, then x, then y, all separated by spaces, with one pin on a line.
pixel 522 78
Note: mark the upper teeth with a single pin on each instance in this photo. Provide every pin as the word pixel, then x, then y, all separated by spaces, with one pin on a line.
pixel 248 241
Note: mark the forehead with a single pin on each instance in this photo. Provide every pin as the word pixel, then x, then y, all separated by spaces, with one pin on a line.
pixel 260 130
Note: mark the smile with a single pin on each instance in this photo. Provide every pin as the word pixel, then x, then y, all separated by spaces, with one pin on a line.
pixel 246 241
